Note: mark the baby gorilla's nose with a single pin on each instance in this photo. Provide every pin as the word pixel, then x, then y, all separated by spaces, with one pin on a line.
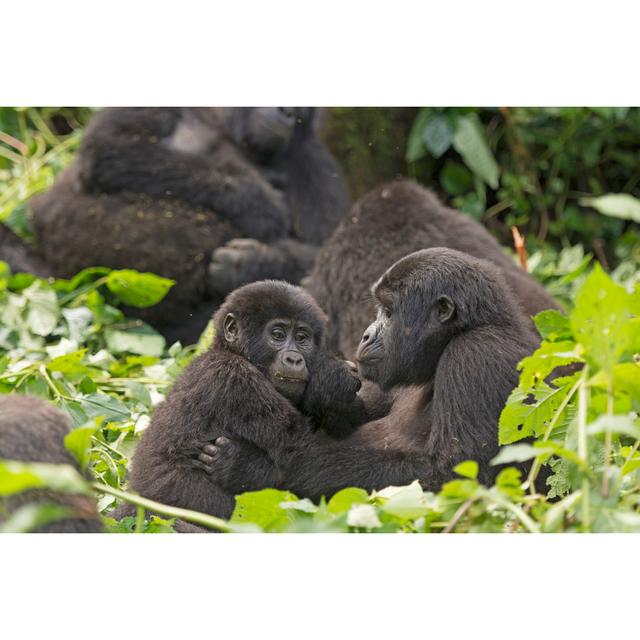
pixel 293 360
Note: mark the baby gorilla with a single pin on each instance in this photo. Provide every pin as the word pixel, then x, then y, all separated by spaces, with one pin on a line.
pixel 446 342
pixel 32 430
pixel 265 378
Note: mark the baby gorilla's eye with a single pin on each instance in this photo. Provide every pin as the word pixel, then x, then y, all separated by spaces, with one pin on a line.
pixel 302 336
pixel 386 311
pixel 278 334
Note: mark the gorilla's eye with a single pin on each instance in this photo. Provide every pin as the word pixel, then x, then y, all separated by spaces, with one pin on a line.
pixel 302 336
pixel 386 311
pixel 278 334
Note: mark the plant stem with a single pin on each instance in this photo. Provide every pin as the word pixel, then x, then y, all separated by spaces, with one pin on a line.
pixel 582 445
pixel 196 517
pixel 458 514
pixel 607 441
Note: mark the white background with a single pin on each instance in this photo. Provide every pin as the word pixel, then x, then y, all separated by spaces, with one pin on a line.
pixel 319 53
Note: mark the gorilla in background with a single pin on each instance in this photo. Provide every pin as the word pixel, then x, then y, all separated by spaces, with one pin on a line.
pixel 382 227
pixel 448 336
pixel 265 379
pixel 32 430
pixel 163 190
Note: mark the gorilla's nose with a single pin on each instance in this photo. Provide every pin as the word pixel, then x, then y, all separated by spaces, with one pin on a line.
pixel 369 336
pixel 293 360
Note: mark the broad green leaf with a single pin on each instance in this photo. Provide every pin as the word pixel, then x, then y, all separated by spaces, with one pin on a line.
pixel 407 503
pixel 553 325
pixel 263 508
pixel 101 405
pixel 601 320
pixel 342 501
pixel 545 359
pixel 141 340
pixel 42 309
pixel 467 469
pixel 16 477
pixel 455 178
pixel 138 289
pixel 68 363
pixel 516 453
pixel 437 135
pixel 519 420
pixel 305 505
pixel 470 141
pixel 616 205
pixel 623 425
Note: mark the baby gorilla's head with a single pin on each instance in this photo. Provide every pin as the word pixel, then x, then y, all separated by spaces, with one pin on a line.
pixel 279 328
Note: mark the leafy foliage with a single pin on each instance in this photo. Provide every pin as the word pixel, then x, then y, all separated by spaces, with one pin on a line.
pixel 569 175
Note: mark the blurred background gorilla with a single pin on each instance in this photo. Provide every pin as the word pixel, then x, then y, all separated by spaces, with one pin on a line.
pixel 160 189
pixel 388 223
pixel 32 430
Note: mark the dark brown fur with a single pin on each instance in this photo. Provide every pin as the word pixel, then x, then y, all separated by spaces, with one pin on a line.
pixel 388 223
pixel 32 430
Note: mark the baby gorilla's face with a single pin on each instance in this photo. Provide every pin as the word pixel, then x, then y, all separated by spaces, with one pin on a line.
pixel 291 344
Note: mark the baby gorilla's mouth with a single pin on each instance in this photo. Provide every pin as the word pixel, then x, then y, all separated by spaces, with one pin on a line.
pixel 279 376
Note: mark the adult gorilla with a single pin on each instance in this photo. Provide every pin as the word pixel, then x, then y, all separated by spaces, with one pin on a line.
pixel 382 227
pixel 447 339
pixel 163 190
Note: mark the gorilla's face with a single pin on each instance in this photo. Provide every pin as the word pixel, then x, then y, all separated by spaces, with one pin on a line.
pixel 268 130
pixel 412 327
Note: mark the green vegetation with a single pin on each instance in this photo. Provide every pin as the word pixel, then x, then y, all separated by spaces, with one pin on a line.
pixel 67 341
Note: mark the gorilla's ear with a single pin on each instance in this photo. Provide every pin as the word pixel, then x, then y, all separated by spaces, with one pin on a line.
pixel 231 329
pixel 446 308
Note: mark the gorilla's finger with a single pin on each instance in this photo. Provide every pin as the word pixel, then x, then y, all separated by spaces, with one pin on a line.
pixel 222 441
pixel 203 457
pixel 211 450
pixel 227 255
pixel 246 243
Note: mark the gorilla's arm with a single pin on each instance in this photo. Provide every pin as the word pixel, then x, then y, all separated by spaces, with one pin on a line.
pixel 245 260
pixel 127 149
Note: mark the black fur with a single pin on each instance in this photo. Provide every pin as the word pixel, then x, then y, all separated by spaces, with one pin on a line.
pixel 446 342
pixel 32 430
pixel 382 227
pixel 230 392
pixel 159 189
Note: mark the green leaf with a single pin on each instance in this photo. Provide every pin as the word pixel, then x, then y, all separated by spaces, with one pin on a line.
pixel 615 205
pixel 415 144
pixel 78 443
pixel 470 142
pixel 43 311
pixel 407 502
pixel 68 362
pixel 601 320
pixel 437 135
pixel 342 501
pixel 519 420
pixel 545 359
pixel 515 453
pixel 141 340
pixel 622 425
pixel 264 508
pixel 553 325
pixel 467 469
pixel 136 289
pixel 98 405
pixel 16 477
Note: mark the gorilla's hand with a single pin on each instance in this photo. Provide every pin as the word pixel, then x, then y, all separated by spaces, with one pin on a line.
pixel 231 462
pixel 239 262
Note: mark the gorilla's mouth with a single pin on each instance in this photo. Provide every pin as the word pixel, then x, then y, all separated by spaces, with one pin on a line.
pixel 284 378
